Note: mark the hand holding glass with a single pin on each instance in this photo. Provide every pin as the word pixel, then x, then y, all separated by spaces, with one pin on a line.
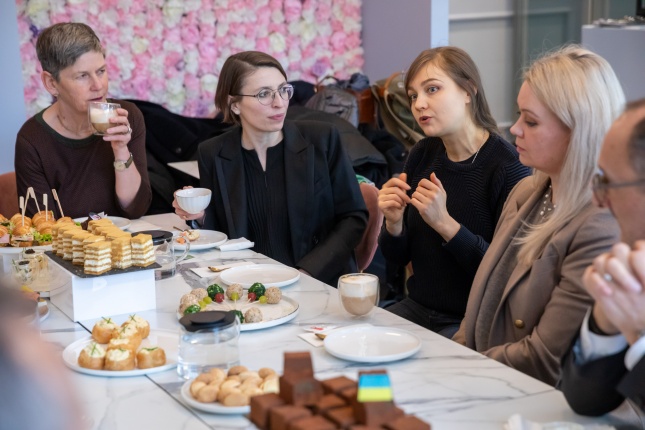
pixel 99 114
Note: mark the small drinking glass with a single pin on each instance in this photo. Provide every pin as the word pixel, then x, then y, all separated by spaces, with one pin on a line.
pixel 359 293
pixel 25 271
pixel 99 114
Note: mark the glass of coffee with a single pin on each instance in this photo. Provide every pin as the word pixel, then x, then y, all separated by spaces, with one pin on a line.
pixel 358 293
pixel 99 114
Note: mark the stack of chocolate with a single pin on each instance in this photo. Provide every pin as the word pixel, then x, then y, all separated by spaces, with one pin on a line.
pixel 305 403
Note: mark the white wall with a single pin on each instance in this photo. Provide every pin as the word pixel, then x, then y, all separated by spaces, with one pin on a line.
pixel 484 29
pixel 394 32
pixel 12 106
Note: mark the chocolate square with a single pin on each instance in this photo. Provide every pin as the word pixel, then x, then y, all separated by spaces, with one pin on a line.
pixel 408 422
pixel 376 413
pixel 327 402
pixel 300 390
pixel 261 406
pixel 342 417
pixel 312 423
pixel 282 416
pixel 298 363
pixel 336 385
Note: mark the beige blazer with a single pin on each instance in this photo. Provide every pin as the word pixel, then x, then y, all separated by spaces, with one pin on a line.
pixel 543 303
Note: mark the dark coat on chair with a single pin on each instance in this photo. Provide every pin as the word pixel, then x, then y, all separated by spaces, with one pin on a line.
pixel 326 211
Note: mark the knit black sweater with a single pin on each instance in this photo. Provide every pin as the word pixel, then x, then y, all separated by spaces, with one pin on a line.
pixel 476 192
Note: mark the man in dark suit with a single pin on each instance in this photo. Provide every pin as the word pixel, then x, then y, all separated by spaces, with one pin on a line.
pixel 607 362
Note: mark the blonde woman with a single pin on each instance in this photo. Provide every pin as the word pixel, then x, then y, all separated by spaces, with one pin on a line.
pixel 527 300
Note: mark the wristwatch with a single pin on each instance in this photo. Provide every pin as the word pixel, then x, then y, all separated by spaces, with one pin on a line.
pixel 121 165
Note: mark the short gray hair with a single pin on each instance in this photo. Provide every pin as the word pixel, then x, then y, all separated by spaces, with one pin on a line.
pixel 60 45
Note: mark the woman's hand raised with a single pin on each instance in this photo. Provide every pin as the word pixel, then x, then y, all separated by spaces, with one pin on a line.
pixel 430 200
pixel 392 200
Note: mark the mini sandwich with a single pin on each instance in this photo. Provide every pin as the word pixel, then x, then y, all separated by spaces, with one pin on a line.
pixel 151 357
pixel 64 220
pixel 4 236
pixel 43 216
pixel 143 253
pixel 22 236
pixel 92 357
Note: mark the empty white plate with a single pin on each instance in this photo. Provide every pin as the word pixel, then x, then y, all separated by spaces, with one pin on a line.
pixel 368 344
pixel 271 275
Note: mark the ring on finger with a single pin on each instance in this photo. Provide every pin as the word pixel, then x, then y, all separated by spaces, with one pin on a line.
pixel 607 277
pixel 129 130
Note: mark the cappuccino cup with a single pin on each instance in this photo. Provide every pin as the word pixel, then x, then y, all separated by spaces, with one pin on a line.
pixel 359 293
pixel 99 114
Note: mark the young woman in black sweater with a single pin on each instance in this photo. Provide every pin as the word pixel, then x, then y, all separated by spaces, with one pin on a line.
pixel 441 212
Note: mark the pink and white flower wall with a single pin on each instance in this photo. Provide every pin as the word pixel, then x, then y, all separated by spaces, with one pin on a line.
pixel 170 51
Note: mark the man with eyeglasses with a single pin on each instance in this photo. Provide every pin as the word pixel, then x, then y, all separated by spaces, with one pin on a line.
pixel 607 362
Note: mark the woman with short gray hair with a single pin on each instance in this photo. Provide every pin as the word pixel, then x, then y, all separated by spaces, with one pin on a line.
pixel 58 148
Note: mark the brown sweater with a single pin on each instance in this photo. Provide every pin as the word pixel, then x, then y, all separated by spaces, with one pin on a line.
pixel 81 171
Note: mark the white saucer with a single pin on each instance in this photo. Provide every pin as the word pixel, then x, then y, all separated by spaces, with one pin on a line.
pixel 369 344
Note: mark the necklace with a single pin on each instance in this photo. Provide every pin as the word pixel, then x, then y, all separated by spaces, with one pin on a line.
pixel 547 207
pixel 60 120
pixel 480 146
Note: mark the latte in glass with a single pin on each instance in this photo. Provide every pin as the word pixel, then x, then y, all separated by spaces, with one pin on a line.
pixel 358 293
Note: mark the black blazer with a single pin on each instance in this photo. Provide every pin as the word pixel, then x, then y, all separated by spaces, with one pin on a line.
pixel 327 214
pixel 600 386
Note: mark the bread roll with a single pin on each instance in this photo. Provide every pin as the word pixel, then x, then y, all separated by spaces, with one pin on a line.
pixel 151 357
pixel 141 324
pixel 122 343
pixel 92 357
pixel 128 331
pixel 119 359
pixel 103 330
pixel 21 230
pixel 17 220
pixel 64 220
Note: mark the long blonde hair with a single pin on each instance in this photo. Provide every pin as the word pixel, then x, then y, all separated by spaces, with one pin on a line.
pixel 582 90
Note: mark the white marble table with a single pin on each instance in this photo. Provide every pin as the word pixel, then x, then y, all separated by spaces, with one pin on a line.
pixel 445 384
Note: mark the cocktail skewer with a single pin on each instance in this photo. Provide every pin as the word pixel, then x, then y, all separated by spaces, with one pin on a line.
pixel 55 194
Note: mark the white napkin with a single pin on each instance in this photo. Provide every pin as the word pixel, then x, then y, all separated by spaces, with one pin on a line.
pixel 205 272
pixel 517 422
pixel 236 244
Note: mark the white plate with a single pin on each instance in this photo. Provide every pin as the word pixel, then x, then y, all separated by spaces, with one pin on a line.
pixel 213 408
pixel 207 239
pixel 166 339
pixel 122 223
pixel 43 311
pixel 272 315
pixel 368 344
pixel 271 275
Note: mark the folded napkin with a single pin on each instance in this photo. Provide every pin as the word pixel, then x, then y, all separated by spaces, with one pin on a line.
pixel 205 272
pixel 517 422
pixel 236 244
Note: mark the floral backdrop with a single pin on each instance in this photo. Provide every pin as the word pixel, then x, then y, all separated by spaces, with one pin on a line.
pixel 170 51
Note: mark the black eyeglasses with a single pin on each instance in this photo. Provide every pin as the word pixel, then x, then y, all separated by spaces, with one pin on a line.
pixel 266 96
pixel 600 184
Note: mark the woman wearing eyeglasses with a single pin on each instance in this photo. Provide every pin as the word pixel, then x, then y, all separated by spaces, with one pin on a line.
pixel 288 186
pixel 527 299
